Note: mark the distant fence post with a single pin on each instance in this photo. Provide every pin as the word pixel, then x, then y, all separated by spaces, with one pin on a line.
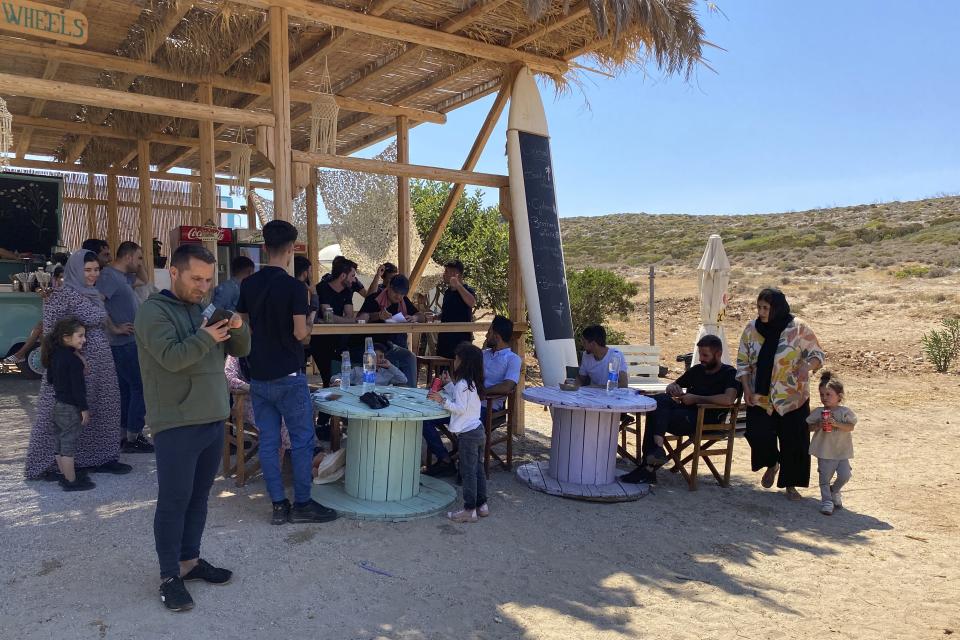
pixel 650 307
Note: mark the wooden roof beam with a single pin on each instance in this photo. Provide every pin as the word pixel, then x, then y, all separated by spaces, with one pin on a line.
pixel 170 22
pixel 399 169
pixel 125 101
pixel 84 128
pixel 49 73
pixel 406 32
pixel 154 175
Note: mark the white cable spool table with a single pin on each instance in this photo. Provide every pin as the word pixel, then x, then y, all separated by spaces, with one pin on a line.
pixel 382 479
pixel 583 444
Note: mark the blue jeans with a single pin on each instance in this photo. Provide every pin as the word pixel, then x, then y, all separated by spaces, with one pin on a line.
pixel 406 361
pixel 132 408
pixel 285 399
pixel 435 441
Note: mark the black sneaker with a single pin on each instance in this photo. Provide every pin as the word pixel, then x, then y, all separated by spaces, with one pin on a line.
pixel 311 511
pixel 140 445
pixel 208 573
pixel 441 469
pixel 174 595
pixel 640 475
pixel 657 457
pixel 82 483
pixel 115 467
pixel 281 512
pixel 53 476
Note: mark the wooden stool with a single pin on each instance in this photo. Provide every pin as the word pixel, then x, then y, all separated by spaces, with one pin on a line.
pixel 237 433
pixel 433 364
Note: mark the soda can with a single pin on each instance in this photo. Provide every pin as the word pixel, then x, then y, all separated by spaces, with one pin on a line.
pixel 437 385
pixel 827 421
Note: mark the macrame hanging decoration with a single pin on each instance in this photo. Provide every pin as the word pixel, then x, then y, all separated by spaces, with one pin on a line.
pixel 240 167
pixel 6 134
pixel 323 116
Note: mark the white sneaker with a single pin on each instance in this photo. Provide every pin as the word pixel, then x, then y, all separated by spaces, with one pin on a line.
pixel 837 498
pixel 826 508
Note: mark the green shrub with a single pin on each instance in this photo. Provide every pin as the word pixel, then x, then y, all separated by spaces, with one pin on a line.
pixel 597 295
pixel 911 271
pixel 942 347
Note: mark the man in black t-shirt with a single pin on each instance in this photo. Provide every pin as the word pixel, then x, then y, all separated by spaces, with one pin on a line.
pixel 379 307
pixel 458 302
pixel 356 287
pixel 275 304
pixel 710 382
pixel 335 292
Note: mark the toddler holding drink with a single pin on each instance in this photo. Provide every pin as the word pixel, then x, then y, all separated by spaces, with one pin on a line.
pixel 832 442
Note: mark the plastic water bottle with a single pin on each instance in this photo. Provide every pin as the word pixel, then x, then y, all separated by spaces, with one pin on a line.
pixel 369 367
pixel 613 375
pixel 345 371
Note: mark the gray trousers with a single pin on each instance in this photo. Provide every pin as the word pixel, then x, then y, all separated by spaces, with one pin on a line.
pixel 826 468
pixel 470 446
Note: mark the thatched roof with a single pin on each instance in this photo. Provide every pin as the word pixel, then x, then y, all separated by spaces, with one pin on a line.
pixel 220 37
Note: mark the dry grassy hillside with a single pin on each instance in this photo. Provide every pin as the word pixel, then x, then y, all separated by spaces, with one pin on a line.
pixel 923 236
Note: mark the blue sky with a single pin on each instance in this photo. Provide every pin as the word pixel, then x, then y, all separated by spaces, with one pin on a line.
pixel 816 103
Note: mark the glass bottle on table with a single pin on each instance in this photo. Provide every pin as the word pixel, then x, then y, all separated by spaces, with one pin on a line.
pixel 369 366
pixel 345 371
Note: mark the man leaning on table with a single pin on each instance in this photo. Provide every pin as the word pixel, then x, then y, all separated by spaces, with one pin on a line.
pixel 597 356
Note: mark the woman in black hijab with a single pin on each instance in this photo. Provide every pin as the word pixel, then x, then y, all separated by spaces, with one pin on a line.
pixel 777 354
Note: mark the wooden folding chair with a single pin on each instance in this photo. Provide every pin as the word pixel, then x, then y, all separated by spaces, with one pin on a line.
pixel 237 433
pixel 709 440
pixel 499 427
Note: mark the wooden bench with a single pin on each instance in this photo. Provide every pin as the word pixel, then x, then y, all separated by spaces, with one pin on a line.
pixel 643 371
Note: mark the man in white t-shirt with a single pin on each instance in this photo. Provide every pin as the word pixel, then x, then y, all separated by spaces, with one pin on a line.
pixel 597 357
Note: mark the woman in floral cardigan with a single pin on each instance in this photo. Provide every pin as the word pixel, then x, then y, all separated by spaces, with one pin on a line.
pixel 776 357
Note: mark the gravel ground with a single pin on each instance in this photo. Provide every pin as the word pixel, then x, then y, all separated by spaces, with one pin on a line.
pixel 735 563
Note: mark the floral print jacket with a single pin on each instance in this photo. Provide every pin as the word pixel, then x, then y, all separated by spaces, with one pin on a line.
pixel 798 344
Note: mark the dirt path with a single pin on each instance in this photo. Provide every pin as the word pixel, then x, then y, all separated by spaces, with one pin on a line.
pixel 744 562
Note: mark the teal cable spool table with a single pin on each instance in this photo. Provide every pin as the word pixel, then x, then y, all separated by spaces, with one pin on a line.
pixel 382 476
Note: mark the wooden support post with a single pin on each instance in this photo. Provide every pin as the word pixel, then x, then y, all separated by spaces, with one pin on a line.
pixel 146 207
pixel 518 312
pixel 453 199
pixel 209 196
pixel 403 197
pixel 280 93
pixel 313 240
pixel 113 213
pixel 251 210
pixel 91 206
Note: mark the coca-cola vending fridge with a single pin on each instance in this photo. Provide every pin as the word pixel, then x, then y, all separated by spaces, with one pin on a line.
pixel 249 242
pixel 225 246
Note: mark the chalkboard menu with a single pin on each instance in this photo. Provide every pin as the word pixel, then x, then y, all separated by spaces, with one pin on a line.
pixel 29 212
pixel 545 236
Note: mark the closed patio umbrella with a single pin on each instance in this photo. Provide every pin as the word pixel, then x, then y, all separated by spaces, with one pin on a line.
pixel 713 274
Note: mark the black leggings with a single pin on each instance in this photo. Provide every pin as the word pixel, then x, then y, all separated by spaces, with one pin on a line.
pixel 764 433
pixel 187 462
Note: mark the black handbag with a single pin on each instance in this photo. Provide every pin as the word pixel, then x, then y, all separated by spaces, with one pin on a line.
pixel 374 400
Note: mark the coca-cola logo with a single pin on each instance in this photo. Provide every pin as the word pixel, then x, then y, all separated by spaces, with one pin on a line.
pixel 198 234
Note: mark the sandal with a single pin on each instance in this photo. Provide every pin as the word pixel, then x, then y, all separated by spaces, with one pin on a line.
pixel 483 510
pixel 793 494
pixel 13 360
pixel 462 516
pixel 769 476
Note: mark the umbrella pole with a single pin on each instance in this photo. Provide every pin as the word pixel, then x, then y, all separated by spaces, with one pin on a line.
pixel 650 306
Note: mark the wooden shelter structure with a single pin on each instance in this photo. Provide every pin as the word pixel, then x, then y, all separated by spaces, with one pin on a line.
pixel 157 85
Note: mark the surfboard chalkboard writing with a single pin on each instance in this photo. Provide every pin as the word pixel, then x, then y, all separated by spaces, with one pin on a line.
pixel 545 236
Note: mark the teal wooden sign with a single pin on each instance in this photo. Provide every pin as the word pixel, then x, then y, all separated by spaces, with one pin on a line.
pixel 44 21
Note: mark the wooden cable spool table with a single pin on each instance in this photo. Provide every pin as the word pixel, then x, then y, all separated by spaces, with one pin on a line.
pixel 382 477
pixel 583 443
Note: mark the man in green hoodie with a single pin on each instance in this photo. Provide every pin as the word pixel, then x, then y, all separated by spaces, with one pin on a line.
pixel 187 400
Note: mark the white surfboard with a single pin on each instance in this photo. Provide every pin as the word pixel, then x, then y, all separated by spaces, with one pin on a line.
pixel 537 226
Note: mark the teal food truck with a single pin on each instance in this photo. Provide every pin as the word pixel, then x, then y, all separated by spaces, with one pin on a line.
pixel 30 209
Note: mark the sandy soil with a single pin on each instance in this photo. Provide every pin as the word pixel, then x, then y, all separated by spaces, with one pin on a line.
pixel 718 563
